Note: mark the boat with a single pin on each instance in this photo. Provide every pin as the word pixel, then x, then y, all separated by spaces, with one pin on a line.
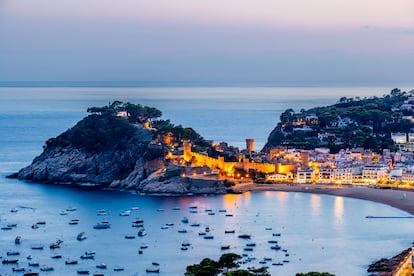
pixel 102 225
pixel 155 264
pixel 73 222
pixel 14 210
pixel 18 269
pixel 184 220
pixel 244 236
pixel 37 247
pixel 101 266
pixel 248 249
pixel 251 244
pixel 207 229
pixel 128 237
pixel 98 274
pixel 71 209
pixel 138 220
pixel 272 241
pixel 229 231
pixel 169 224
pixel 33 264
pixel 35 226
pixel 31 273
pixel 164 227
pixel 208 237
pixel 139 225
pixel 6 228
pixel 184 248
pixel 182 231
pixel 81 236
pixel 12 225
pixel 144 246
pixel 153 270
pixel 267 259
pixel 71 262
pixel 42 222
pixel 46 268
pixel 54 245
pixel 229 215
pixel 87 255
pixel 195 225
pixel 57 256
pixel 82 271
pixel 160 210
pixel 18 240
pixel 10 261
pixel 222 210
pixel 141 232
pixel 186 244
pixel 202 233
pixel 225 247
pixel 276 234
pixel 268 228
pixel 125 213
pixel 211 214
pixel 63 213
pixel 119 268
pixel 12 253
pixel 275 247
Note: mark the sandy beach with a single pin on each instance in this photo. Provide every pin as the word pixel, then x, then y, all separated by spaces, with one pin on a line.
pixel 401 199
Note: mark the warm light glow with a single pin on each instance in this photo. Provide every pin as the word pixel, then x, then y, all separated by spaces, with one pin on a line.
pixel 339 209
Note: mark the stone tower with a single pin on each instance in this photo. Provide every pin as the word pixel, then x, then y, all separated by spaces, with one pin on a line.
pixel 250 145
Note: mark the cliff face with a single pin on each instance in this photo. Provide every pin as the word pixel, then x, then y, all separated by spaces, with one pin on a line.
pixel 110 152
pixel 71 164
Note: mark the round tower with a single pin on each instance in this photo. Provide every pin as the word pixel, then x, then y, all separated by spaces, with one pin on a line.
pixel 250 145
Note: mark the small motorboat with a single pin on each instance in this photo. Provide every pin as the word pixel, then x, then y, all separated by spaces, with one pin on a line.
pixel 18 240
pixel 153 270
pixel 129 237
pixel 71 209
pixel 71 262
pixel 209 237
pixel 31 273
pixel 102 225
pixel 225 247
pixel 244 236
pixel 36 264
pixel 184 220
pixel 81 236
pixel 18 269
pixel 229 231
pixel 82 271
pixel 10 261
pixel 57 256
pixel 125 213
pixel 46 268
pixel 119 268
pixel 13 253
pixel 182 231
pixel 141 232
pixel 101 266
pixel 37 247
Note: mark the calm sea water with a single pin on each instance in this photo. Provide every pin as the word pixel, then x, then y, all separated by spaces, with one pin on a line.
pixel 322 233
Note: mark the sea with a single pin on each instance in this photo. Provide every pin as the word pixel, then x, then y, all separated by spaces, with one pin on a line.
pixel 314 232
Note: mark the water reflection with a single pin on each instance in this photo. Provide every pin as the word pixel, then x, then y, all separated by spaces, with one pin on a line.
pixel 315 205
pixel 339 210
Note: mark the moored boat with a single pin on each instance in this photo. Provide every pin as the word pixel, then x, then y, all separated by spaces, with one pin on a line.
pixel 102 225
pixel 18 240
pixel 71 262
pixel 18 269
pixel 244 236
pixel 46 268
pixel 153 270
pixel 12 253
pixel 30 273
pixel 101 266
pixel 82 271
pixel 10 261
pixel 81 236
pixel 141 232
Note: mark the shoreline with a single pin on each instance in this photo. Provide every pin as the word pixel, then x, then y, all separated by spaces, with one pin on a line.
pixel 400 199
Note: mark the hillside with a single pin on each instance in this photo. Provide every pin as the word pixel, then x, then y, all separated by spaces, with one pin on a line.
pixel 350 123
pixel 121 145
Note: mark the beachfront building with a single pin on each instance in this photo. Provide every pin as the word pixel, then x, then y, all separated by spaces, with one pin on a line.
pixel 374 173
pixel 304 176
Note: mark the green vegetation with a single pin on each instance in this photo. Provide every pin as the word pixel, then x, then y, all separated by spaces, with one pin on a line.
pixel 95 133
pixel 104 129
pixel 224 266
pixel 350 123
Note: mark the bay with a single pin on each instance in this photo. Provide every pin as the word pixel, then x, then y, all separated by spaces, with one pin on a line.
pixel 320 233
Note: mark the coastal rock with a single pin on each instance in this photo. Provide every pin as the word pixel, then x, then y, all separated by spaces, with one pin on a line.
pixel 120 163
pixel 169 180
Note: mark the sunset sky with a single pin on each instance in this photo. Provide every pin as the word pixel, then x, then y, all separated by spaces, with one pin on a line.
pixel 295 42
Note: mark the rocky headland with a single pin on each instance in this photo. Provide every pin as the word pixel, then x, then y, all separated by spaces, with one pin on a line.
pixel 114 147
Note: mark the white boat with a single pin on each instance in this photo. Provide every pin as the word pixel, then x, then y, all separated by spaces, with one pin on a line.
pixel 125 213
pixel 141 232
pixel 71 209
pixel 81 236
pixel 71 262
pixel 101 266
pixel 102 225
pixel 46 268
